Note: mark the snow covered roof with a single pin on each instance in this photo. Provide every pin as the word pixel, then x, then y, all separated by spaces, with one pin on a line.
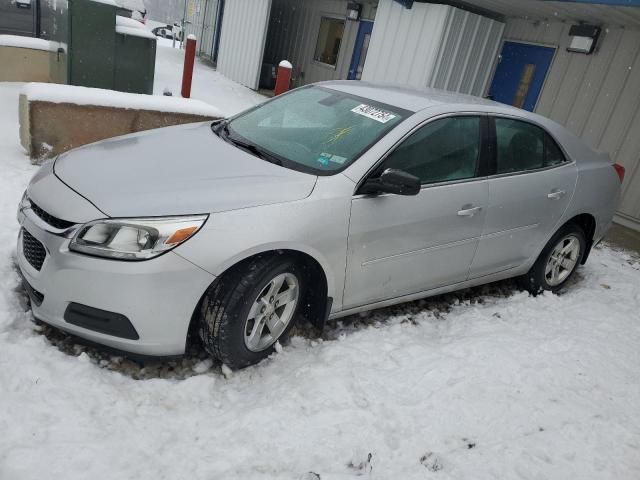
pixel 128 22
pixel 135 31
pixel 49 92
pixel 27 42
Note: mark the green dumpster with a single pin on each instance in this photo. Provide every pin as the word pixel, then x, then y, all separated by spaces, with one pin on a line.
pixel 92 43
pixel 135 60
pixel 98 48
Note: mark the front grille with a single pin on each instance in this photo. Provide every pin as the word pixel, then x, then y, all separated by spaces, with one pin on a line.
pixel 33 250
pixel 50 219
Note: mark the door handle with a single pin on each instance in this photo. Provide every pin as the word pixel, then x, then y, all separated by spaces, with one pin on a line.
pixel 556 194
pixel 468 211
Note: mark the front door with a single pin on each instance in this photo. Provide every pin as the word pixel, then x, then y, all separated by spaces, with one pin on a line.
pixel 401 245
pixel 520 74
pixel 360 50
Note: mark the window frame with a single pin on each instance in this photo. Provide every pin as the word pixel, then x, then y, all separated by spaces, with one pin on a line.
pixel 484 153
pixel 493 138
pixel 344 28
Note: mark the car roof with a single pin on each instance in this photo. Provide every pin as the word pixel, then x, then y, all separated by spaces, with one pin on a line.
pixel 416 100
pixel 413 99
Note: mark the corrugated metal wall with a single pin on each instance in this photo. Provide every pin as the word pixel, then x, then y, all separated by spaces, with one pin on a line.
pixel 201 18
pixel 242 40
pixel 402 44
pixel 432 45
pixel 469 48
pixel 293 33
pixel 596 96
pixel 208 31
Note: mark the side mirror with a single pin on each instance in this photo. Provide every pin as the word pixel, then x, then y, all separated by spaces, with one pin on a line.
pixel 392 181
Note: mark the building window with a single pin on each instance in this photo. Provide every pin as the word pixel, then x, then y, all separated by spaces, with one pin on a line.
pixel 329 39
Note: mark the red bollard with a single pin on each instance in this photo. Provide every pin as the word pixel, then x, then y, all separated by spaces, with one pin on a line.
pixel 283 78
pixel 187 72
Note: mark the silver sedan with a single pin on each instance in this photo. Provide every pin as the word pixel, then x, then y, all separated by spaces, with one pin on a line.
pixel 332 199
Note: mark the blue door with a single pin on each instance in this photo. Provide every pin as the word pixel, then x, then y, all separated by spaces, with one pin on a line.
pixel 520 74
pixel 360 50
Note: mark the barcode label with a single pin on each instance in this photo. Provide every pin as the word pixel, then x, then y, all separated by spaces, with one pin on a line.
pixel 373 113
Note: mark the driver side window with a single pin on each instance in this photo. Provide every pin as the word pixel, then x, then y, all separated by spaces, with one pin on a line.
pixel 442 151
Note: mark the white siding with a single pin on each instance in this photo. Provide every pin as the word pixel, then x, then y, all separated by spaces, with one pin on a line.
pixel 208 29
pixel 432 45
pixel 244 31
pixel 469 48
pixel 201 18
pixel 404 42
pixel 595 96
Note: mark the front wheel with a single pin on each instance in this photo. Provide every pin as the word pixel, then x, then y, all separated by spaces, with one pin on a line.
pixel 558 261
pixel 249 309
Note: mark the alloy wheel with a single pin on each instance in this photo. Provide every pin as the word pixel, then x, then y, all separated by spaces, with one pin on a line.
pixel 271 312
pixel 562 260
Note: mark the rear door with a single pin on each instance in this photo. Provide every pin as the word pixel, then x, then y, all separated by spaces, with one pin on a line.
pixel 530 188
pixel 18 17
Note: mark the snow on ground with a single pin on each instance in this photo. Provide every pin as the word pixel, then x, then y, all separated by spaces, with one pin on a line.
pixel 488 383
pixel 208 85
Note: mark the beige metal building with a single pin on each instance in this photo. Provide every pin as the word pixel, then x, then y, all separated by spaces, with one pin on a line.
pixel 576 62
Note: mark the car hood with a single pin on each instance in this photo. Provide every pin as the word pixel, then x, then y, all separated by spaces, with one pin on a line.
pixel 175 171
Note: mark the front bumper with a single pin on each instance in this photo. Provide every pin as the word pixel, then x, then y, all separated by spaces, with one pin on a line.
pixel 157 296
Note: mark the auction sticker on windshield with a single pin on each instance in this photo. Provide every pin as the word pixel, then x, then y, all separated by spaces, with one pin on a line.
pixel 373 113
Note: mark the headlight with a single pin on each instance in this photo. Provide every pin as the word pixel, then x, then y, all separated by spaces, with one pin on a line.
pixel 135 238
pixel 24 202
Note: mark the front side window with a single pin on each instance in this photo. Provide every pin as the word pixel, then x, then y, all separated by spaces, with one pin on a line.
pixel 329 40
pixel 316 129
pixel 442 151
pixel 522 146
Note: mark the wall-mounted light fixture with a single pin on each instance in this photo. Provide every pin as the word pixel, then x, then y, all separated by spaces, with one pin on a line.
pixel 353 11
pixel 583 38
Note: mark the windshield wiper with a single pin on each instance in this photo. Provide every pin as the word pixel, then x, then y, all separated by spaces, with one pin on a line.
pixel 249 147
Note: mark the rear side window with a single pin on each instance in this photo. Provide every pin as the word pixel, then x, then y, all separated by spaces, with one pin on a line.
pixel 522 146
pixel 442 151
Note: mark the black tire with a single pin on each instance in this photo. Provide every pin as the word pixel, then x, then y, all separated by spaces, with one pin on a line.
pixel 536 280
pixel 225 308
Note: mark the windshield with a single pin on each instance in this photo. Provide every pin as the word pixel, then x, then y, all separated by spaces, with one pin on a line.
pixel 314 129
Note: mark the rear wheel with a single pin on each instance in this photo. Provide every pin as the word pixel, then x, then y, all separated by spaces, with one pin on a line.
pixel 558 261
pixel 249 309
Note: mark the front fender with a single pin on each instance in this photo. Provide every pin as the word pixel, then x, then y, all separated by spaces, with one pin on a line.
pixel 278 246
pixel 316 226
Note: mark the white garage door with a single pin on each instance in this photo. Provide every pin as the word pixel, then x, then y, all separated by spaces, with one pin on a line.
pixel 244 32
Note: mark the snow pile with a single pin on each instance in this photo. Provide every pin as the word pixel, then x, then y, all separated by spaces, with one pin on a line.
pixel 128 22
pixel 28 42
pixel 128 26
pixel 47 92
pixel 135 31
pixel 208 85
